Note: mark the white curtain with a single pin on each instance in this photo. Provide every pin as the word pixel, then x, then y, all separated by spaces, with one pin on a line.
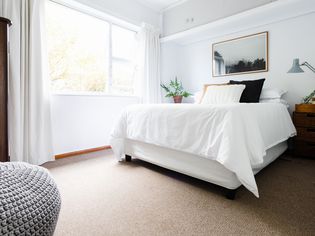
pixel 149 62
pixel 30 137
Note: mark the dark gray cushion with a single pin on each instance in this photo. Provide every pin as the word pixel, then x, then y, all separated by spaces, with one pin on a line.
pixel 252 91
pixel 29 200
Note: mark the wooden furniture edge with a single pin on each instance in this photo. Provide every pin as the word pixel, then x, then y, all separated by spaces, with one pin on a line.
pixel 6 20
pixel 80 152
pixel 305 108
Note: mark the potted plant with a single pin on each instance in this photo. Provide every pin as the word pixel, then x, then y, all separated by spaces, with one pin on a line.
pixel 175 89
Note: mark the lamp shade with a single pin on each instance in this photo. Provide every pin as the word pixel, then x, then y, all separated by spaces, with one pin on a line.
pixel 296 68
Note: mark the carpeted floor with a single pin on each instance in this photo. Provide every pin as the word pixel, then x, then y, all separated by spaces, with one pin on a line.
pixel 103 197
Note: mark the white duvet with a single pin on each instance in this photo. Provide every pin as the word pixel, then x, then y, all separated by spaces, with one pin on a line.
pixel 236 135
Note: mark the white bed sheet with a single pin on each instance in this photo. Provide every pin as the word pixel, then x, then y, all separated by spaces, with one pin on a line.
pixel 237 135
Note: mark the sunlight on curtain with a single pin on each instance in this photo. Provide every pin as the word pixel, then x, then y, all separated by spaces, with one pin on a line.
pixel 30 136
pixel 149 65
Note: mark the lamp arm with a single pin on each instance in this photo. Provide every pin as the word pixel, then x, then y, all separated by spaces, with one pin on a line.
pixel 308 66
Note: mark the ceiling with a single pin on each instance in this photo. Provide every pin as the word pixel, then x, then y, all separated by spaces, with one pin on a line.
pixel 160 5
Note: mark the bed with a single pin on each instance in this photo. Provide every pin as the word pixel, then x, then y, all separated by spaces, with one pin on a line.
pixel 222 144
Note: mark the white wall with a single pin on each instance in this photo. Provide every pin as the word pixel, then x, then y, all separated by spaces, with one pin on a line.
pixel 288 39
pixel 197 12
pixel 131 11
pixel 170 64
pixel 83 122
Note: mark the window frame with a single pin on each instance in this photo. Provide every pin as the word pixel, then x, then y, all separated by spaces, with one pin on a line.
pixel 111 20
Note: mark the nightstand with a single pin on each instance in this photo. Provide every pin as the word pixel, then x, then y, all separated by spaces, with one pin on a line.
pixel 304 121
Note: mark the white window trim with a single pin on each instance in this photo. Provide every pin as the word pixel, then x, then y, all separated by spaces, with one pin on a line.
pixel 110 63
pixel 111 20
pixel 93 94
pixel 97 13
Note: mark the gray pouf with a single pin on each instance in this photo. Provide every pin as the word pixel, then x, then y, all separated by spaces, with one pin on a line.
pixel 29 200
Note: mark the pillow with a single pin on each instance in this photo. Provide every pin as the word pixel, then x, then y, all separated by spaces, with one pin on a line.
pixel 275 100
pixel 224 94
pixel 197 96
pixel 269 93
pixel 252 91
pixel 205 86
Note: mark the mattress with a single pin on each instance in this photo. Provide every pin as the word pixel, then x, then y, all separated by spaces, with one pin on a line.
pixel 194 165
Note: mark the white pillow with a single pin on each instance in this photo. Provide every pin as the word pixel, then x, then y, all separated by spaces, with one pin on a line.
pixel 275 100
pixel 269 93
pixel 198 96
pixel 223 94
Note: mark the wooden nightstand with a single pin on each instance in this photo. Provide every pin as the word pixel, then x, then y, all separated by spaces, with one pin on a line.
pixel 304 121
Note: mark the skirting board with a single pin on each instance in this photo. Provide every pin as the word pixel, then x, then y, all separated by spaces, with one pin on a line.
pixel 81 152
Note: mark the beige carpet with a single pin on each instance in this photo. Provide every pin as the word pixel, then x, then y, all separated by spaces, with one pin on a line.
pixel 103 197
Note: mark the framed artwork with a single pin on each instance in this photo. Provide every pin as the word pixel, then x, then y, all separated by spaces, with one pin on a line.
pixel 248 54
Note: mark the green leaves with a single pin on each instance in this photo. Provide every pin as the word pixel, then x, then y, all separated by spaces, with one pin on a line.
pixel 308 98
pixel 175 88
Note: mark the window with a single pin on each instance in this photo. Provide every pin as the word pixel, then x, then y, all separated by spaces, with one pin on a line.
pixel 88 54
pixel 123 66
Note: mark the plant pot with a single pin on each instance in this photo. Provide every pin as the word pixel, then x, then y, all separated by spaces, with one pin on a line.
pixel 178 99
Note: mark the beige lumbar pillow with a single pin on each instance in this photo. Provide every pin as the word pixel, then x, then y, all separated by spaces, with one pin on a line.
pixel 223 94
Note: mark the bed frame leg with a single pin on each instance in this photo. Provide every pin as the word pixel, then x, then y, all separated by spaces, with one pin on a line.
pixel 230 194
pixel 128 158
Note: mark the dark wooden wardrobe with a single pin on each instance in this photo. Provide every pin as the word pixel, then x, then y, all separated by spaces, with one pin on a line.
pixel 4 40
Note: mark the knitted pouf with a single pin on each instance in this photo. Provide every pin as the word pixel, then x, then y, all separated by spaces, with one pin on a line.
pixel 29 200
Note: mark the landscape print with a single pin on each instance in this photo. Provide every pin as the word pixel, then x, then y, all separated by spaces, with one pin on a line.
pixel 241 55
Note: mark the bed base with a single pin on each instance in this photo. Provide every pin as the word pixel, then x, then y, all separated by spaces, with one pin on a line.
pixel 128 158
pixel 229 193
